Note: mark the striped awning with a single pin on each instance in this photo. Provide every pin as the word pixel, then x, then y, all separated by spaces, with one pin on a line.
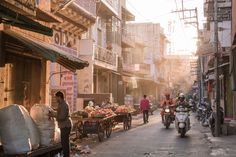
pixel 49 52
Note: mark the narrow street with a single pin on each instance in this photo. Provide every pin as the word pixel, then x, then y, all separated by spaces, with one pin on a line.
pixel 154 140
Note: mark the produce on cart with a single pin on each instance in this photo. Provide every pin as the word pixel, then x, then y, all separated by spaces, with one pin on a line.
pixel 99 121
pixel 124 115
pixel 18 132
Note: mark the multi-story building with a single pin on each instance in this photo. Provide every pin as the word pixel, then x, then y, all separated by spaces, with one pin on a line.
pixel 207 51
pixel 29 45
pixel 77 18
pixel 101 46
pixel 155 43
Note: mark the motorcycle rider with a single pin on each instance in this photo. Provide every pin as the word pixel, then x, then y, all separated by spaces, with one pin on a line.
pixel 182 102
pixel 167 102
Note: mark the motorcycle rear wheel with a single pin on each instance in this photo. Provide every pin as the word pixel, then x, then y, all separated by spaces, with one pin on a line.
pixel 167 125
pixel 182 133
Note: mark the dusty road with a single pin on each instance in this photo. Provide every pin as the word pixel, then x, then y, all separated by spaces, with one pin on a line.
pixel 153 140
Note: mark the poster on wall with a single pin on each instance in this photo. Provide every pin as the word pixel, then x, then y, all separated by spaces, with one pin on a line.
pixel 69 82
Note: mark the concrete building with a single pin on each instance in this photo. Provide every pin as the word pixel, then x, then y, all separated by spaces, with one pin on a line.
pixel 101 46
pixel 30 44
pixel 155 42
pixel 206 49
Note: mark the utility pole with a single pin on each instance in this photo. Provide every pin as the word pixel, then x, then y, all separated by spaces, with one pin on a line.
pixel 217 89
pixel 190 17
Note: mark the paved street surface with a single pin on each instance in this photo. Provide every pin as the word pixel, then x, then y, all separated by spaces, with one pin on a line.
pixel 153 140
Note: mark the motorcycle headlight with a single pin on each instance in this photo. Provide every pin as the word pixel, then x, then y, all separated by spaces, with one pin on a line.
pixel 167 110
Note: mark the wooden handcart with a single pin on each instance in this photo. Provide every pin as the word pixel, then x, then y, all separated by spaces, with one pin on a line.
pixel 125 118
pixel 94 125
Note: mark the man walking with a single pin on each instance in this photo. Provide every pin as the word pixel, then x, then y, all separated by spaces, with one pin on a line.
pixel 62 116
pixel 145 106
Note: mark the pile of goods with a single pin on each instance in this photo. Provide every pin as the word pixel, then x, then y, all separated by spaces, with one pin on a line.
pixel 124 109
pixel 89 109
pixel 81 114
pixel 48 129
pixel 22 132
pixel 18 132
pixel 111 106
pixel 102 113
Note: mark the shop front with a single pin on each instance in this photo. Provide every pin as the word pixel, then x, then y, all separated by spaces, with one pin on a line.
pixel 25 72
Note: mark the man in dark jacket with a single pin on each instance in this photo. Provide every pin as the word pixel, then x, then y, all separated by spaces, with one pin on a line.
pixel 62 116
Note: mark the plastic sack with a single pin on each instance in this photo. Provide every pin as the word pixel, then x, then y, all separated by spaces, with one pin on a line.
pixel 46 125
pixel 18 132
pixel 57 136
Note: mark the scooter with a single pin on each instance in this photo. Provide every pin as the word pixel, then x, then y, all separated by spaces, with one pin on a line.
pixel 182 121
pixel 168 116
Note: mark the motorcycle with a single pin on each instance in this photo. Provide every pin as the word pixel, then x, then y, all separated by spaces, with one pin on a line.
pixel 207 111
pixel 202 107
pixel 168 117
pixel 212 120
pixel 182 121
pixel 192 104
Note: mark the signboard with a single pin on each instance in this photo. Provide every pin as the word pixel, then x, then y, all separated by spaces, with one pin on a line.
pixel 224 10
pixel 27 6
pixel 69 82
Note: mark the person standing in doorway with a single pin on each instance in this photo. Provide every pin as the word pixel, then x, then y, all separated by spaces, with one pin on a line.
pixel 62 116
pixel 145 106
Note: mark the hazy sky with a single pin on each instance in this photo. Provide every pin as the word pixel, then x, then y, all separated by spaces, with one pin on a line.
pixel 159 11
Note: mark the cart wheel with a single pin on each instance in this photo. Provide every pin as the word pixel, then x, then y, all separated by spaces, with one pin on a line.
pixel 79 130
pixel 100 133
pixel 108 131
pixel 129 121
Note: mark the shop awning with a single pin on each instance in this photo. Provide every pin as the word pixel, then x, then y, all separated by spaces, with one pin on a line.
pixel 13 18
pixel 49 52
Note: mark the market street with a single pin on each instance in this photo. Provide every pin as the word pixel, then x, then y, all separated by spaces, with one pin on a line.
pixel 154 140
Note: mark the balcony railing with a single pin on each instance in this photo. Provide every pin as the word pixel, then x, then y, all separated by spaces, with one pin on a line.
pixel 143 69
pixel 113 3
pixel 88 5
pixel 105 55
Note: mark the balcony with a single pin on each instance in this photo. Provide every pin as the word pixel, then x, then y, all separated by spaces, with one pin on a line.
pixel 77 16
pixel 109 7
pixel 89 6
pixel 141 69
pixel 127 39
pixel 106 58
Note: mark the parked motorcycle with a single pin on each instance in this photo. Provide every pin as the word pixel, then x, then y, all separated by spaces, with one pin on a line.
pixel 168 116
pixel 201 109
pixel 206 113
pixel 212 120
pixel 182 121
pixel 192 104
